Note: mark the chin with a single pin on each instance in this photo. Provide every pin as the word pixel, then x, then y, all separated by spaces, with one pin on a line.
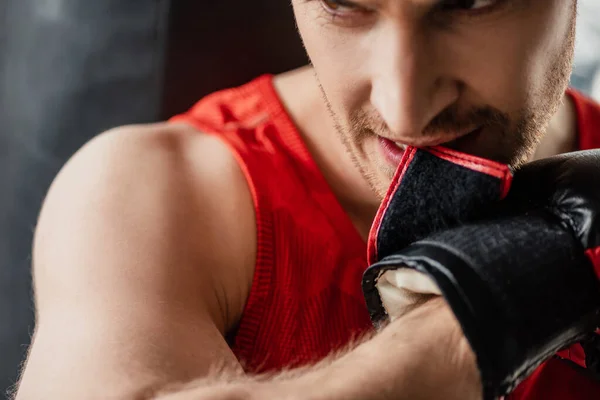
pixel 379 175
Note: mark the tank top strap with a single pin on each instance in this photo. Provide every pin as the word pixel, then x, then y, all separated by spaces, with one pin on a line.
pixel 297 214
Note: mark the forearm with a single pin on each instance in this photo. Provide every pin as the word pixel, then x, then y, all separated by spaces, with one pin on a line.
pixel 388 366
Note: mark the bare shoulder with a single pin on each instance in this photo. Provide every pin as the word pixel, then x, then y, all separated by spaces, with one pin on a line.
pixel 143 258
pixel 176 188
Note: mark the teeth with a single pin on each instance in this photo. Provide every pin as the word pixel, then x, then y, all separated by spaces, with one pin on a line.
pixel 400 145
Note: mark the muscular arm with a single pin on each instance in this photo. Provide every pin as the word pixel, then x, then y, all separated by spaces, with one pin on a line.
pixel 420 356
pixel 139 266
pixel 143 260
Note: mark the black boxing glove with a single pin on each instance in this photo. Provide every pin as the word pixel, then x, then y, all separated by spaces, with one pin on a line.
pixel 433 189
pixel 522 280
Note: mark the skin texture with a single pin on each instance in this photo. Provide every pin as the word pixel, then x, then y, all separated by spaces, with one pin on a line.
pixel 145 247
pixel 140 267
pixel 424 74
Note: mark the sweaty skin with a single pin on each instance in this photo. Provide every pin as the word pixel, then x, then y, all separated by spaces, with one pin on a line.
pixel 140 267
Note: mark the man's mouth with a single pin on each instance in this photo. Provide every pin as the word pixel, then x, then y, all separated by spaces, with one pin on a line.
pixel 401 146
pixel 443 139
pixel 394 150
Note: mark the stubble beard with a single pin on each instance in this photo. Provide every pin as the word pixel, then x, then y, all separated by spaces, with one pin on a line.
pixel 519 136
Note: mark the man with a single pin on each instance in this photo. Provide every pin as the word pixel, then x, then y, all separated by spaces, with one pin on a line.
pixel 232 239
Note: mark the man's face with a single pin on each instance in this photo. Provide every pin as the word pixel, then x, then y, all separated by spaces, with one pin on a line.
pixel 480 76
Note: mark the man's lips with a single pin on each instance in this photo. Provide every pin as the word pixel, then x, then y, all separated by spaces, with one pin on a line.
pixel 438 140
pixel 394 150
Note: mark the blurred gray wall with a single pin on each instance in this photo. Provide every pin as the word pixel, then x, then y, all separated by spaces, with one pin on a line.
pixel 586 72
pixel 70 69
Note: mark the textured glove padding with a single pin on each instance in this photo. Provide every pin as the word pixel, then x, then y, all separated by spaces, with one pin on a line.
pixel 522 284
pixel 433 189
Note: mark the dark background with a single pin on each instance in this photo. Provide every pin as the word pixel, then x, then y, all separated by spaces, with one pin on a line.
pixel 71 69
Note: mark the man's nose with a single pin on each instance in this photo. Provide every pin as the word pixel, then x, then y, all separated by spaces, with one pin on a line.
pixel 409 87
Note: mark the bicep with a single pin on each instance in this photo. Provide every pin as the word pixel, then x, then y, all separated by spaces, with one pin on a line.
pixel 126 296
pixel 120 354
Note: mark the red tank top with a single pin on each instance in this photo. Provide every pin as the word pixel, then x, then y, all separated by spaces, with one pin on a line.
pixel 306 299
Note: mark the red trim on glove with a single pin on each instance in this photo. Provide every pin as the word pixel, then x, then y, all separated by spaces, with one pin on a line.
pixel 407 158
pixel 594 256
pixel 481 165
pixel 485 166
pixel 575 354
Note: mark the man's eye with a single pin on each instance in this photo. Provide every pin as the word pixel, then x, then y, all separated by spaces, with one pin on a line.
pixel 336 6
pixel 348 13
pixel 449 5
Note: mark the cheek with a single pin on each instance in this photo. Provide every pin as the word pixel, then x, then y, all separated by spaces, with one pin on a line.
pixel 509 64
pixel 333 54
